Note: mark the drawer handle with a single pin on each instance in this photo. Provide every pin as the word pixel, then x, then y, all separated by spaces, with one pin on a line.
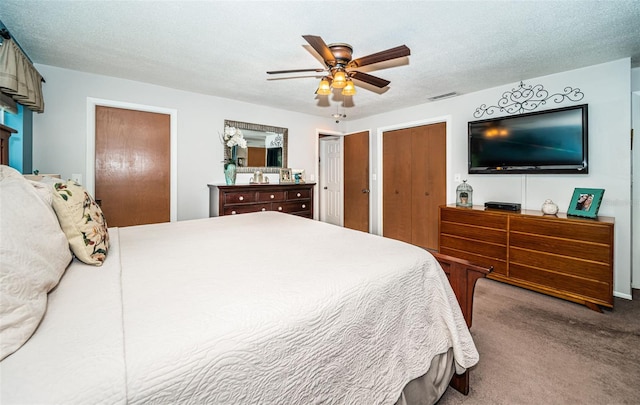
pixel 279 208
pixel 233 213
pixel 304 206
pixel 273 196
pixel 264 209
pixel 241 198
pixel 298 195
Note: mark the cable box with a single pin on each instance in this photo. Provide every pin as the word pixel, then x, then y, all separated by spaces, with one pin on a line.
pixel 507 206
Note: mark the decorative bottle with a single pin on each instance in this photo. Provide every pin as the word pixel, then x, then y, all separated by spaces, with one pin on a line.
pixel 230 173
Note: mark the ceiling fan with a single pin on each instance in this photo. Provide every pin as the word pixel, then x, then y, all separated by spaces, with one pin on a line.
pixel 341 68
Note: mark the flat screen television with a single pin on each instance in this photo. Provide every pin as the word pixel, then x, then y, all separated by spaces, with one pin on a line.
pixel 550 141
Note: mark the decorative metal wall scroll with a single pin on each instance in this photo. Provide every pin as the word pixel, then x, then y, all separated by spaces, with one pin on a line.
pixel 527 98
pixel 277 141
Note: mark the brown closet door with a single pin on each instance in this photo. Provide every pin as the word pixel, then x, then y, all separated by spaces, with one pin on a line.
pixel 133 153
pixel 396 180
pixel 257 157
pixel 356 181
pixel 428 182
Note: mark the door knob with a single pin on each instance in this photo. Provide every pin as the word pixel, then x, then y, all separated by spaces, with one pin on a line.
pixel 325 187
pixel 365 190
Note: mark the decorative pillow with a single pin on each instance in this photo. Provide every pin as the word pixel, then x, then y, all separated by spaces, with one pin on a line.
pixel 82 221
pixel 34 254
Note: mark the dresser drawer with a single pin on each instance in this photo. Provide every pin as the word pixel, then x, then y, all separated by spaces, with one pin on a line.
pixel 596 252
pixel 263 196
pixel 490 235
pixel 298 194
pixel 244 209
pixel 600 292
pixel 569 265
pixel 239 197
pixel 292 206
pixel 472 217
pixel 575 230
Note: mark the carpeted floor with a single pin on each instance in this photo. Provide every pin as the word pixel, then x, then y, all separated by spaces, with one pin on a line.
pixel 536 349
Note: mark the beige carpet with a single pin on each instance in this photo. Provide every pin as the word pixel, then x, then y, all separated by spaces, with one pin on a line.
pixel 536 349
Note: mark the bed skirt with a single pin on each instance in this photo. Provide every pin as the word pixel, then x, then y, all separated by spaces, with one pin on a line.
pixel 428 388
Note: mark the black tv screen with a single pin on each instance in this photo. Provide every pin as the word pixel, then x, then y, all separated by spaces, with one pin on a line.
pixel 551 141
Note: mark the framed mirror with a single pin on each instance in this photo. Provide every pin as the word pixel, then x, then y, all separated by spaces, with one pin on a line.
pixel 266 148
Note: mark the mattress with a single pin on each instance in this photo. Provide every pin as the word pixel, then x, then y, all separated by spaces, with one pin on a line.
pixel 248 309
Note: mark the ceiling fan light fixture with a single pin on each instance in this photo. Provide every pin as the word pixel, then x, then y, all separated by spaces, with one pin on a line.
pixel 324 89
pixel 339 80
pixel 349 88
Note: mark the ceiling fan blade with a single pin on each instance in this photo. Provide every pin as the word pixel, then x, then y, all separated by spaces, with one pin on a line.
pixel 367 78
pixel 273 72
pixel 393 53
pixel 323 50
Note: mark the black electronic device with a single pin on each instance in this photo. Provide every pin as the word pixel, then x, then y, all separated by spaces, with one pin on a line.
pixel 549 141
pixel 495 205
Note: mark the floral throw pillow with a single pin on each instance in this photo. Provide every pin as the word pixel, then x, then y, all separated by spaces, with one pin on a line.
pixel 82 221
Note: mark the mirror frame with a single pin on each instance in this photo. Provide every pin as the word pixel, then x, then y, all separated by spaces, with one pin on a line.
pixel 260 128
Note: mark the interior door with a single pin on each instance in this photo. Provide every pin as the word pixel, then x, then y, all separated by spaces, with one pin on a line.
pixel 356 181
pixel 396 180
pixel 428 182
pixel 331 180
pixel 414 183
pixel 132 166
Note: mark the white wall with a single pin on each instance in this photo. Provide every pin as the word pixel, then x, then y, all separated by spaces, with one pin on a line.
pixel 60 141
pixel 60 134
pixel 606 89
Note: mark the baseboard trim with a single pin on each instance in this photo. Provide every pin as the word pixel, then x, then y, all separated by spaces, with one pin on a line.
pixel 621 295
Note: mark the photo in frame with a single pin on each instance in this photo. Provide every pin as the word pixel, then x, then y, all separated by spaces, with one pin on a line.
pixel 585 202
pixel 285 176
pixel 298 175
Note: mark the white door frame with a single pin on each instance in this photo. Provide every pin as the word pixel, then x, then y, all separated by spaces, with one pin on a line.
pixel 90 175
pixel 635 190
pixel 318 196
pixel 321 172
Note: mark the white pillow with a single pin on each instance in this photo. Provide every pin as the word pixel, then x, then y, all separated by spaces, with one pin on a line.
pixel 34 254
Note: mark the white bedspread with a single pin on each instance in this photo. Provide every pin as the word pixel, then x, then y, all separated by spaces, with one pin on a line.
pixel 76 354
pixel 262 308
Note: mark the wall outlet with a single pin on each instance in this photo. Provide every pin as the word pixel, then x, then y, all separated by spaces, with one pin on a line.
pixel 77 178
pixel 457 177
pixel 312 177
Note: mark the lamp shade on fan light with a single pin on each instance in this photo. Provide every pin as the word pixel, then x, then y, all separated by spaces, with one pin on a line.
pixel 324 89
pixel 339 80
pixel 349 88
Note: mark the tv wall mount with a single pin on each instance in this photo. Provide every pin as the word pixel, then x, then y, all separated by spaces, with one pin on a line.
pixel 526 98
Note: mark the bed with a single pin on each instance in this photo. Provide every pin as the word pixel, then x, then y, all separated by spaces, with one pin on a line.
pixel 263 308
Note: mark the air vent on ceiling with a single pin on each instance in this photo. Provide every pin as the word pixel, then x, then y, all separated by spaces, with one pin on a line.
pixel 441 96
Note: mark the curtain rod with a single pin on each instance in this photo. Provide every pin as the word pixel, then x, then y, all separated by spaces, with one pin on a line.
pixel 4 33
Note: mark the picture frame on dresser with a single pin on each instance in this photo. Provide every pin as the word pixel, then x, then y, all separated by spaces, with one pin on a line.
pixel 585 202
pixel 298 175
pixel 285 176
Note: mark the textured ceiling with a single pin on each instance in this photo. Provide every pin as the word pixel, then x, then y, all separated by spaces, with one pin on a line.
pixel 224 48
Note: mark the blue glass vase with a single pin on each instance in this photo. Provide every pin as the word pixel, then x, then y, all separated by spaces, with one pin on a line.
pixel 230 173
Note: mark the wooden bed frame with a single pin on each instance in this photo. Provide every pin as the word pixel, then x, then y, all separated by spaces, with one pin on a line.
pixel 462 275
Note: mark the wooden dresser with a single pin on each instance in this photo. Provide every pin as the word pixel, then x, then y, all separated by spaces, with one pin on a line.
pixel 559 255
pixel 5 133
pixel 292 198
